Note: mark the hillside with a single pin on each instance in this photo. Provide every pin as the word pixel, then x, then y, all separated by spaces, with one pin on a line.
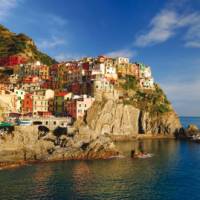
pixel 136 112
pixel 20 44
pixel 153 101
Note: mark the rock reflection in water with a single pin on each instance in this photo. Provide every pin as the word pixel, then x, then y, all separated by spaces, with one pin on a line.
pixel 172 173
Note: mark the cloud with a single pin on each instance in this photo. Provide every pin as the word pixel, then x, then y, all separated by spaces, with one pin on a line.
pixel 51 43
pixel 167 24
pixel 183 92
pixel 161 28
pixel 6 6
pixel 57 20
pixel 122 52
pixel 68 56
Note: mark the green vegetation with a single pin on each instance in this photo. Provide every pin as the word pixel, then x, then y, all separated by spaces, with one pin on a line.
pixel 20 44
pixel 129 83
pixel 152 101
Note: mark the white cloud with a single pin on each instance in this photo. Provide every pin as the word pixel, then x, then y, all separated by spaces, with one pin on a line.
pixel 167 23
pixel 123 52
pixel 57 20
pixel 183 93
pixel 6 6
pixel 51 43
pixel 161 28
pixel 68 56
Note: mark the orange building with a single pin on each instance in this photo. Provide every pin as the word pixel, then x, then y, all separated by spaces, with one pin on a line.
pixel 27 106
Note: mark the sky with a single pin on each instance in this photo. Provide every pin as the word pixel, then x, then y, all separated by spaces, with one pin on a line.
pixel 162 34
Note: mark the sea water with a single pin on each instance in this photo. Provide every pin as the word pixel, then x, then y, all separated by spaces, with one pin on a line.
pixel 173 173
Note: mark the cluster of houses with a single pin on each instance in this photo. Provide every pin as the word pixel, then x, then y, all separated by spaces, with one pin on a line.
pixel 67 88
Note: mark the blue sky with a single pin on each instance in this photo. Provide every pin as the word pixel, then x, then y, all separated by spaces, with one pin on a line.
pixel 162 34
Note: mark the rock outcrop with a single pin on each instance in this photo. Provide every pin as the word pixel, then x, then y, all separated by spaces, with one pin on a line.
pixel 24 145
pixel 191 131
pixel 115 118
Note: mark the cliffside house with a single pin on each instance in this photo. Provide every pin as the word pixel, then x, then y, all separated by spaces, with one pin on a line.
pixel 77 107
pixel 103 84
pixel 31 79
pixel 12 60
pixel 20 97
pixel 147 83
pixel 59 102
pixel 40 102
pixel 27 106
pixel 82 105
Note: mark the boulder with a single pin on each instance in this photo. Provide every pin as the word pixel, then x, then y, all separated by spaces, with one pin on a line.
pixel 25 145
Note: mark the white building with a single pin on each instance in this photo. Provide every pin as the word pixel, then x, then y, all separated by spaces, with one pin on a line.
pixel 99 68
pixel 20 97
pixel 40 104
pixel 103 84
pixel 49 94
pixel 31 87
pixel 83 104
pixel 122 60
pixel 146 72
pixel 147 83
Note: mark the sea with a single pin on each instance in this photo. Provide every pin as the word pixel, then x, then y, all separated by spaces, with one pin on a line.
pixel 172 173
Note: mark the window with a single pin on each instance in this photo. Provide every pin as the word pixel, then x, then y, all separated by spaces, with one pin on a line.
pixel 54 122
pixel 46 122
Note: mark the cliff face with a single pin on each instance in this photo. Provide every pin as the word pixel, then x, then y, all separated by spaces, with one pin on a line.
pixel 115 118
pixel 24 145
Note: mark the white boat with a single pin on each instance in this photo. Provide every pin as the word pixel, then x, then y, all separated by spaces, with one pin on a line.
pixel 145 155
pixel 25 122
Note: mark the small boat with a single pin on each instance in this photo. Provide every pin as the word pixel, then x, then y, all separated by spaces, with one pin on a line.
pixel 24 122
pixel 5 124
pixel 196 138
pixel 144 155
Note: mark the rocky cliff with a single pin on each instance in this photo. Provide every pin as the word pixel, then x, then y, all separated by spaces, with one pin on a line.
pixel 132 112
pixel 116 118
pixel 25 145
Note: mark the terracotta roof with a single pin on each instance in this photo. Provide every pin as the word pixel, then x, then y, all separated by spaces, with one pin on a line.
pixel 61 93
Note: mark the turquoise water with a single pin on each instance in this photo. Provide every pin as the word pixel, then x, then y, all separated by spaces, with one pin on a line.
pixel 173 173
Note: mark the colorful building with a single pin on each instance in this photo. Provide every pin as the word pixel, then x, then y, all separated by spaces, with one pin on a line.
pixel 40 104
pixel 70 107
pixel 103 84
pixel 44 72
pixel 12 60
pixel 20 97
pixel 31 79
pixel 122 60
pixel 147 83
pixel 59 102
pixel 77 107
pixel 27 106
pixel 69 73
pixel 82 105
